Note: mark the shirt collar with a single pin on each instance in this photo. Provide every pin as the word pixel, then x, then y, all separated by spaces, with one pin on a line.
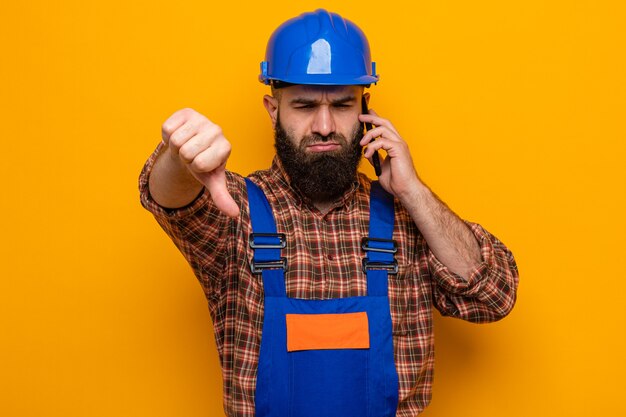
pixel 282 179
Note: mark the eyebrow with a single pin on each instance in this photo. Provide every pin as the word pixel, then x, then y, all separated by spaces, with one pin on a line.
pixel 304 100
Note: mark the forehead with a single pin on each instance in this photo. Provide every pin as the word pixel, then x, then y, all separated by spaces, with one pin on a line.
pixel 319 91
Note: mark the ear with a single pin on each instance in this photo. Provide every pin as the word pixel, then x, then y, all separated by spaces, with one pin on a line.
pixel 271 105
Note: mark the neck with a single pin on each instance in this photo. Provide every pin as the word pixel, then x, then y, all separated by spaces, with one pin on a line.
pixel 323 206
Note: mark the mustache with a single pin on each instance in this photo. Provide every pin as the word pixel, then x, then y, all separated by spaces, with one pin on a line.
pixel 316 138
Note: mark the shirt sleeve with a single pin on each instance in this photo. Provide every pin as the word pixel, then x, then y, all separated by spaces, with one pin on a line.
pixel 199 230
pixel 490 292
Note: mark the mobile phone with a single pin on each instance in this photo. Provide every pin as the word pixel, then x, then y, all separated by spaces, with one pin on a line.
pixel 366 128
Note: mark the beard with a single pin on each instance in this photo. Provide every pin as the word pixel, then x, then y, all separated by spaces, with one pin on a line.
pixel 322 176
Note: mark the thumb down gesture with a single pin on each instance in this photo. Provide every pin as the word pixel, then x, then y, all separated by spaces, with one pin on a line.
pixel 202 148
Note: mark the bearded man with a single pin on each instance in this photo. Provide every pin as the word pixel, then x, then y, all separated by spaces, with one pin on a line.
pixel 321 282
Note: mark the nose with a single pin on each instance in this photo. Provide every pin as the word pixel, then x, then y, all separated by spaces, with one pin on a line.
pixel 324 123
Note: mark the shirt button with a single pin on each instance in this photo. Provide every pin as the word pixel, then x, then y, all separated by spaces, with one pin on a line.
pixel 330 257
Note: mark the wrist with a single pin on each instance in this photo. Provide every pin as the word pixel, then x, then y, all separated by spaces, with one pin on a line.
pixel 413 193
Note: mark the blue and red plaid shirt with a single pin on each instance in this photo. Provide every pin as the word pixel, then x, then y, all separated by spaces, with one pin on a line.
pixel 324 261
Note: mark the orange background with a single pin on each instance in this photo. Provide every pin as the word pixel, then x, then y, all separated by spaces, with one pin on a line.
pixel 514 112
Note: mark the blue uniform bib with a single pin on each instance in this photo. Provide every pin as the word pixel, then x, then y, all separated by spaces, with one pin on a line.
pixel 325 358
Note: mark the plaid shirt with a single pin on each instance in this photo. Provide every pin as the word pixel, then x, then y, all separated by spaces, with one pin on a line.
pixel 324 261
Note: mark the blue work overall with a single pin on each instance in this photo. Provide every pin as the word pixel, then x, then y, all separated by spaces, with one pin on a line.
pixel 325 358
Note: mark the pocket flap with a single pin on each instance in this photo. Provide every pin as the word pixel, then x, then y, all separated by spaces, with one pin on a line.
pixel 327 331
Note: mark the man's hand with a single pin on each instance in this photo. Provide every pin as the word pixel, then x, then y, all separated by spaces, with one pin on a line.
pixel 199 145
pixel 398 175
pixel 449 238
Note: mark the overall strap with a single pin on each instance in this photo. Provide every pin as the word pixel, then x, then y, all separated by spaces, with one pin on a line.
pixel 266 243
pixel 379 246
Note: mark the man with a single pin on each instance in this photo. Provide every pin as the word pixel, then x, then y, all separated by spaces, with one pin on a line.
pixel 320 282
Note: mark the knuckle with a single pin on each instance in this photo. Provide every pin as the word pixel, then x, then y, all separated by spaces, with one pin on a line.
pixel 227 147
pixel 181 135
pixel 203 122
pixel 186 154
pixel 223 153
pixel 183 115
pixel 188 128
pixel 201 165
pixel 177 139
pixel 216 130
pixel 167 128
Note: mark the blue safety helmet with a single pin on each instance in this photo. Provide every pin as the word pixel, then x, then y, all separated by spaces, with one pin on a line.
pixel 319 48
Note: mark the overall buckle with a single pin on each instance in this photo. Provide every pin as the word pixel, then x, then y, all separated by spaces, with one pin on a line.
pixel 282 242
pixel 391 268
pixel 257 267
pixel 365 245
